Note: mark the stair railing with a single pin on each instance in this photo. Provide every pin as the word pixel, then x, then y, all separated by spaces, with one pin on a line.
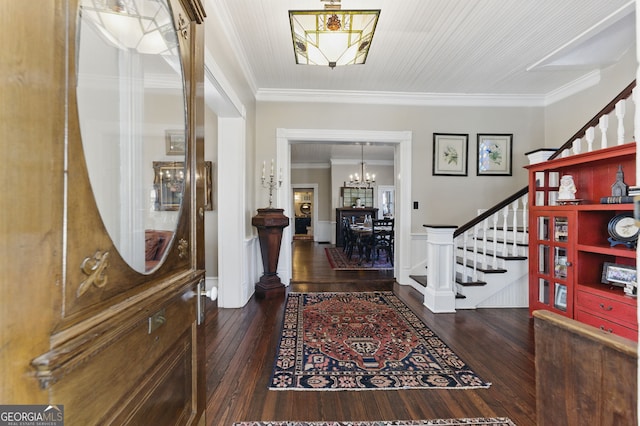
pixel 485 225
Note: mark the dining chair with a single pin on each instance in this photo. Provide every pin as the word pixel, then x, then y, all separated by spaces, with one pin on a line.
pixel 382 239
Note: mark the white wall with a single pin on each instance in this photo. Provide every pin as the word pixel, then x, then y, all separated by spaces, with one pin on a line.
pixel 564 118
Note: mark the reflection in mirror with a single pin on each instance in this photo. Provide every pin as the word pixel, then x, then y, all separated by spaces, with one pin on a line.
pixel 130 92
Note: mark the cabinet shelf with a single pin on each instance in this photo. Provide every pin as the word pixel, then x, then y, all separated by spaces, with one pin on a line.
pixel 587 207
pixel 607 250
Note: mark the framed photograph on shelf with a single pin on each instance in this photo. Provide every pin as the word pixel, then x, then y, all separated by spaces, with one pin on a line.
pixel 450 151
pixel 619 275
pixel 175 142
pixel 495 154
pixel 560 301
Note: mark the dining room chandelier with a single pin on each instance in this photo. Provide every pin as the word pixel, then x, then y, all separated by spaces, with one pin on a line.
pixel 332 36
pixel 361 179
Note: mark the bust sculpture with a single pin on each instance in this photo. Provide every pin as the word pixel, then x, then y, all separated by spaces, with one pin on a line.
pixel 567 189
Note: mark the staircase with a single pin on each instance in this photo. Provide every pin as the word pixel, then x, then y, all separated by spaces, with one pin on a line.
pixel 490 252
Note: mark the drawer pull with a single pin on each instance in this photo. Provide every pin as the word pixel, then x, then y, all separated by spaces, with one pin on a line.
pixel 608 308
pixel 604 329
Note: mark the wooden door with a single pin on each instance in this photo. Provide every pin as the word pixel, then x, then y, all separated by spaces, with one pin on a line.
pixel 80 327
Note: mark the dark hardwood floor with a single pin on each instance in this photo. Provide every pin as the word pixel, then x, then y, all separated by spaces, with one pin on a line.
pixel 241 343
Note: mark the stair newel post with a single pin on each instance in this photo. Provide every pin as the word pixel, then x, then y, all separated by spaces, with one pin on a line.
pixel 495 218
pixel 514 205
pixel 620 112
pixel 440 295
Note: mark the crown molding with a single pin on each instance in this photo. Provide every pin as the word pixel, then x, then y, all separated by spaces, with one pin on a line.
pixel 398 98
pixel 588 80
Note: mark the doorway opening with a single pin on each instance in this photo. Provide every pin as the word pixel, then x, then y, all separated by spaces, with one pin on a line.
pixel 303 213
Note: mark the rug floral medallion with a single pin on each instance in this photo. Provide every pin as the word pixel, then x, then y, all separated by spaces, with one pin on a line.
pixel 358 341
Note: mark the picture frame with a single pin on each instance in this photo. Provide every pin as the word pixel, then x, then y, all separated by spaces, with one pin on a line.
pixel 168 183
pixel 560 299
pixel 450 153
pixel 495 153
pixel 176 142
pixel 208 186
pixel 619 275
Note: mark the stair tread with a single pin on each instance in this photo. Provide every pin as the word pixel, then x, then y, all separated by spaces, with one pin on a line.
pixel 459 280
pixel 499 256
pixel 480 268
pixel 420 279
pixel 500 241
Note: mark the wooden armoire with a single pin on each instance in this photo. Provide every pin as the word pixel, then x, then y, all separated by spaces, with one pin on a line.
pixel 85 322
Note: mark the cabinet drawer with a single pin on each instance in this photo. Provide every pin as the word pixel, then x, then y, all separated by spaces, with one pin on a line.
pixel 606 325
pixel 611 309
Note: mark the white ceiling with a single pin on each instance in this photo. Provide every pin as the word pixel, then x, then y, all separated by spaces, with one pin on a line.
pixel 529 49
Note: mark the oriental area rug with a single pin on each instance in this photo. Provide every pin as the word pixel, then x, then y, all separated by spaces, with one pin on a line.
pixel 339 261
pixel 359 341
pixel 493 421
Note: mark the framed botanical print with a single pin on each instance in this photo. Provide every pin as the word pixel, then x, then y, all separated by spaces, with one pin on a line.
pixel 450 154
pixel 494 154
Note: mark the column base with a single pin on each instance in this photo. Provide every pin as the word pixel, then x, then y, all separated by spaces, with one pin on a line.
pixel 269 287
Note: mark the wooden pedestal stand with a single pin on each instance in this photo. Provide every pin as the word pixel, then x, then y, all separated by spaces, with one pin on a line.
pixel 270 223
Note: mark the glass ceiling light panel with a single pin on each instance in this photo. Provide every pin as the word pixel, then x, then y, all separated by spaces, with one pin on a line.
pixel 142 25
pixel 332 37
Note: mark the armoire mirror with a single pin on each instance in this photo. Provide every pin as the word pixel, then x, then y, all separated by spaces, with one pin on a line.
pixel 131 108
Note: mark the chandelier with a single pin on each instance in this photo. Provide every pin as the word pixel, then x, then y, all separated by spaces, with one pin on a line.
pixel 362 179
pixel 332 36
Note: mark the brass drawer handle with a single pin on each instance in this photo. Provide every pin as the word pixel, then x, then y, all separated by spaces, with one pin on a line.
pixel 608 308
pixel 604 329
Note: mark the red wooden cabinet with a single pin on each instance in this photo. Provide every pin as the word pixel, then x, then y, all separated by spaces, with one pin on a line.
pixel 568 243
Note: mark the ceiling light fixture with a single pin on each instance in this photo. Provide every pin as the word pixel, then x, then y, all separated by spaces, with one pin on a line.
pixel 141 25
pixel 362 179
pixel 332 36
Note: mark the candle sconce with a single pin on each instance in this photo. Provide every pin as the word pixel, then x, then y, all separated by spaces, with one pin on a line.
pixel 271 184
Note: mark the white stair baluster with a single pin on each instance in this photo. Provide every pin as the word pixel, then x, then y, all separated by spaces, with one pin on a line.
pixel 620 111
pixel 577 146
pixel 514 205
pixel 525 220
pixel 475 253
pixel 485 256
pixel 464 256
pixel 505 213
pixel 604 125
pixel 590 135
pixel 495 239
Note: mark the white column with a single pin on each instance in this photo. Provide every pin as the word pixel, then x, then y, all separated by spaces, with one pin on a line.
pixel 440 294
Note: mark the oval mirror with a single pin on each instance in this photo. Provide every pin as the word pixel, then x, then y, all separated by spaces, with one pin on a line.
pixel 131 108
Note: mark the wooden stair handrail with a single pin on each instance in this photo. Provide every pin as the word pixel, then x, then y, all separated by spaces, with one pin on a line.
pixel 626 92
